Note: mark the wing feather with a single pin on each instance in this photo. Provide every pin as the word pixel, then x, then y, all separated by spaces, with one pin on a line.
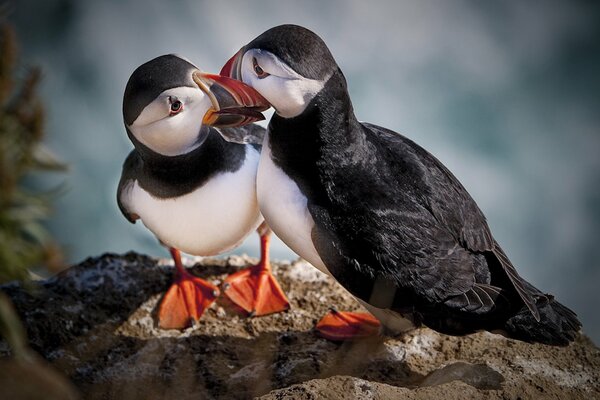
pixel 130 169
pixel 431 241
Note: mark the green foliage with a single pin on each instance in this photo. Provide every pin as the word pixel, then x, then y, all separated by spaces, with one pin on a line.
pixel 24 243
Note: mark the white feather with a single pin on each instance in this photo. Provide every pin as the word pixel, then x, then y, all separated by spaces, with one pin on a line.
pixel 394 323
pixel 171 135
pixel 210 220
pixel 284 208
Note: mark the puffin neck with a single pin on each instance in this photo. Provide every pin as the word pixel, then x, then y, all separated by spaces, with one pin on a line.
pixel 326 130
pixel 159 162
pixel 326 119
pixel 330 110
pixel 212 156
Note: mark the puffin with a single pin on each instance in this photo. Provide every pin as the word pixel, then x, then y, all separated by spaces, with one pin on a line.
pixel 192 188
pixel 377 212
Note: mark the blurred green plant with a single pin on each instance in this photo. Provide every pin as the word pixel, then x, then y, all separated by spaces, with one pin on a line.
pixel 24 242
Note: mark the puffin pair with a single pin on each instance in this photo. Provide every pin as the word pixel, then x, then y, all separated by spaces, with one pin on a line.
pixel 195 191
pixel 376 211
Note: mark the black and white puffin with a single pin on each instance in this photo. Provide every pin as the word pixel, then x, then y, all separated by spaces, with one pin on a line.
pixel 376 211
pixel 194 190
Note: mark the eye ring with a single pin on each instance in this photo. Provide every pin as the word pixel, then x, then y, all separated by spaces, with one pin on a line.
pixel 260 73
pixel 176 106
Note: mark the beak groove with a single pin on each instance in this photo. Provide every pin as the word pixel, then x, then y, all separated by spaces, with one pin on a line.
pixel 232 67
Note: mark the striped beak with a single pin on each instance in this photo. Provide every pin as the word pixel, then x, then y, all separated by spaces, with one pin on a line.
pixel 233 102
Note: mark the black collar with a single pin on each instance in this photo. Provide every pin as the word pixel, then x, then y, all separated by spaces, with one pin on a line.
pixel 172 176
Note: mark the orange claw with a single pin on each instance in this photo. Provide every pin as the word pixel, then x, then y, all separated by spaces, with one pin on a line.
pixel 338 326
pixel 255 289
pixel 187 298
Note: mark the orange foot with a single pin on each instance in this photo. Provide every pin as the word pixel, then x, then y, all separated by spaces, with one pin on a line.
pixel 338 326
pixel 187 298
pixel 255 289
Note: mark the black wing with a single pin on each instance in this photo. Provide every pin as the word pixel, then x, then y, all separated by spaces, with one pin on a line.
pixel 406 219
pixel 131 167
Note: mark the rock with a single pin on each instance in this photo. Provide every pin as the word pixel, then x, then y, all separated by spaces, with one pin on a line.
pixel 350 388
pixel 95 323
pixel 479 376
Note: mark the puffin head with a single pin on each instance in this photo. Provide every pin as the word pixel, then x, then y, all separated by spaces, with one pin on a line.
pixel 169 102
pixel 288 65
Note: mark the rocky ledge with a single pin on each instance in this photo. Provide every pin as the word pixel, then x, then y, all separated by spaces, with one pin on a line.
pixel 95 324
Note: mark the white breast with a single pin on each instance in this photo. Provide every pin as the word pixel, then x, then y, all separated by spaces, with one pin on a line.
pixel 284 207
pixel 210 220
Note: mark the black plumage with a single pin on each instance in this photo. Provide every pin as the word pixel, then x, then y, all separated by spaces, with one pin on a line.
pixel 396 228
pixel 299 48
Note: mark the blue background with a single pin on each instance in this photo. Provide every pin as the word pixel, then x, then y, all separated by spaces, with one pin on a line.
pixel 506 94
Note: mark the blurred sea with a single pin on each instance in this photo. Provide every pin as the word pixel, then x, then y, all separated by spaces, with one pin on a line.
pixel 505 94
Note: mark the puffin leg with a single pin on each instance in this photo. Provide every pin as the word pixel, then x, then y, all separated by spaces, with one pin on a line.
pixel 255 289
pixel 338 326
pixel 187 298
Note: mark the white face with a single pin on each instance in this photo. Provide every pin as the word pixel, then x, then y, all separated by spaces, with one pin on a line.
pixel 171 124
pixel 287 91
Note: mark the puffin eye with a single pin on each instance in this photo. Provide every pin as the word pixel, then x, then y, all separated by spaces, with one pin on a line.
pixel 260 73
pixel 176 106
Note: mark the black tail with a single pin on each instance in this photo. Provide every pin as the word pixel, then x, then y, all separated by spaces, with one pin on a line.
pixel 558 325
